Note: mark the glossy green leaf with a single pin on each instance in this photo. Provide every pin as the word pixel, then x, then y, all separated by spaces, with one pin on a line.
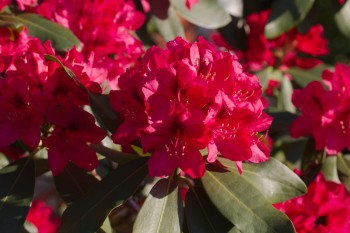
pixel 329 169
pixel 162 210
pixel 304 76
pixel 343 165
pixel 233 7
pixel 115 156
pixel 88 213
pixel 170 27
pixel 242 203
pixel 16 192
pixel 61 38
pixel 342 19
pixel 206 13
pixel 73 183
pixel 286 14
pixel 264 76
pixel 286 97
pixel 273 179
pixel 202 216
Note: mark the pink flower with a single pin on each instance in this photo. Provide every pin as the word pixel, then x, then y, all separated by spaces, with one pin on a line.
pixel 188 97
pixel 327 122
pixel 324 209
pixel 41 216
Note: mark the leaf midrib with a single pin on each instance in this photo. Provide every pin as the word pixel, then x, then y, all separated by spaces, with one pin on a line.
pixel 241 203
pixel 28 22
pixel 163 205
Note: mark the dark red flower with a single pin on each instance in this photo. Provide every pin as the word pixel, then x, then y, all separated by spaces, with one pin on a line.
pixel 68 141
pixel 19 118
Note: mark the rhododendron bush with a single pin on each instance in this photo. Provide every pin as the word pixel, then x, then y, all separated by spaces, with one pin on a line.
pixel 174 116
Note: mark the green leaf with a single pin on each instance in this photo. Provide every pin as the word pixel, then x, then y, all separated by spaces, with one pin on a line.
pixel 106 226
pixel 264 76
pixel 304 76
pixel 202 216
pixel 281 122
pixel 275 181
pixel 73 183
pixel 17 26
pixel 287 91
pixel 342 18
pixel 329 169
pixel 233 7
pixel 241 202
pixel 170 27
pixel 206 13
pixel 115 156
pixel 16 192
pixel 162 210
pixel 343 165
pixel 61 38
pixel 286 14
pixel 88 213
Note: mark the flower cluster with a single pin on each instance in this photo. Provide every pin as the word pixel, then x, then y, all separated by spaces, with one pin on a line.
pixel 325 114
pixel 324 209
pixel 190 97
pixel 107 39
pixel 40 105
pixel 281 51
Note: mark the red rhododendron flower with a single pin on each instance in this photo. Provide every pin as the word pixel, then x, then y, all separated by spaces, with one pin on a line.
pixel 281 51
pixel 19 118
pixel 107 39
pixel 326 121
pixel 40 215
pixel 68 141
pixel 188 97
pixel 324 209
pixel 39 101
